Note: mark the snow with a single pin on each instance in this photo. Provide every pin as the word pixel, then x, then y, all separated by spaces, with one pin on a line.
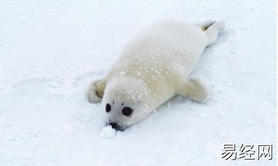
pixel 50 51
pixel 108 132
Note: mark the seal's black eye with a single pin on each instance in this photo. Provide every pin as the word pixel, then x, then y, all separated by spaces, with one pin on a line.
pixel 108 107
pixel 127 111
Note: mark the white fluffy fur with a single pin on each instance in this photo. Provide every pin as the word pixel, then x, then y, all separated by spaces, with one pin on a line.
pixel 153 67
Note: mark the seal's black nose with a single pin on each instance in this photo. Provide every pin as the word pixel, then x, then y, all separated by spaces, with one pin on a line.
pixel 115 126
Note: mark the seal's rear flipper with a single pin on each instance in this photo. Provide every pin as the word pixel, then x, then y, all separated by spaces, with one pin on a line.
pixel 212 29
pixel 96 90
pixel 205 25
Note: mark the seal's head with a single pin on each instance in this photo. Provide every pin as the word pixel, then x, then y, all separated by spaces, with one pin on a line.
pixel 125 102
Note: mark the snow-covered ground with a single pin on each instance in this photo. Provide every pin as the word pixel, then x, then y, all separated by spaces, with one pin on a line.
pixel 50 50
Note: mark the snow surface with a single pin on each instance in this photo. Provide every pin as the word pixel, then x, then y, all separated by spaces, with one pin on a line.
pixel 108 132
pixel 51 50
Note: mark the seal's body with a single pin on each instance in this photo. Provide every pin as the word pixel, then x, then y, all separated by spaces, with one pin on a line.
pixel 154 67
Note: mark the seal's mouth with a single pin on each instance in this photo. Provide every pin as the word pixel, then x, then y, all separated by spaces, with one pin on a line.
pixel 116 126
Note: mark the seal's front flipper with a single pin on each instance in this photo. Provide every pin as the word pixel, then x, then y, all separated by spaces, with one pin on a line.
pixel 193 89
pixel 96 90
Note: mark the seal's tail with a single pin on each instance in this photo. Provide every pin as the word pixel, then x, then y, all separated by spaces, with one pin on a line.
pixel 212 29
